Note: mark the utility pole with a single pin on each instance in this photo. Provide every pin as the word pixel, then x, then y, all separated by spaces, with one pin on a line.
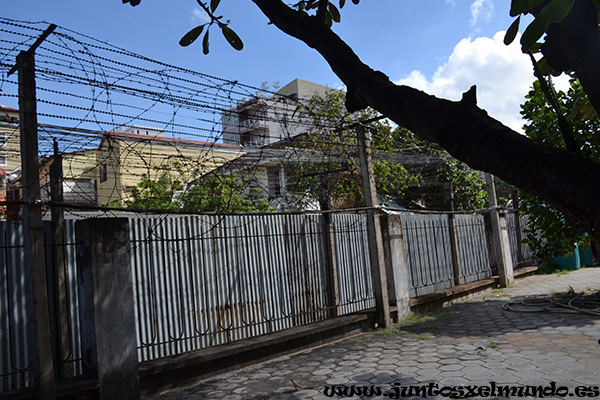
pixel 39 334
pixel 375 237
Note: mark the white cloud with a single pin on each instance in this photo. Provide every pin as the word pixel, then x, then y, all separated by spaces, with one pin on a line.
pixel 503 75
pixel 199 16
pixel 481 10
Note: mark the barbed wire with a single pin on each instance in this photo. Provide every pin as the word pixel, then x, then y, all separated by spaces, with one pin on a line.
pixel 119 117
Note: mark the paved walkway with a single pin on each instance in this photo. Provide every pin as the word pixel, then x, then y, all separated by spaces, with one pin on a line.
pixel 471 343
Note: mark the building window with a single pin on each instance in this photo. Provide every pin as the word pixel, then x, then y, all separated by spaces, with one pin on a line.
pixel 3 159
pixel 274 181
pixel 230 121
pixel 103 172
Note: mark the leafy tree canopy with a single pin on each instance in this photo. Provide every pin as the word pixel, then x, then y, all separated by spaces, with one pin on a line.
pixel 212 193
pixel 550 230
pixel 409 172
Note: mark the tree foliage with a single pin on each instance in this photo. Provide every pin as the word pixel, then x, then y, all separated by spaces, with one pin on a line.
pixel 334 170
pixel 337 173
pixel 211 193
pixel 550 230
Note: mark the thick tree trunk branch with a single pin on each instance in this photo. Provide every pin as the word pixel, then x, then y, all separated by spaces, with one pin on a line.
pixel 566 181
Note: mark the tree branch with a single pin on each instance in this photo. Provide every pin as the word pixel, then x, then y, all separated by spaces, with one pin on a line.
pixel 566 181
pixel 564 127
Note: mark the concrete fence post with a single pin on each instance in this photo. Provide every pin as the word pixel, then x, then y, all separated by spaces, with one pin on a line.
pixel 497 232
pixel 505 266
pixel 107 315
pixel 396 264
pixel 499 236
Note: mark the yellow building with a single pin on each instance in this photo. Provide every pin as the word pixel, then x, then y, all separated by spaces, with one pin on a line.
pixel 80 175
pixel 108 173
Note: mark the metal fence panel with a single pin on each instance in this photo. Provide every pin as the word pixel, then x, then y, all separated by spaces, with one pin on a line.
pixel 201 281
pixel 354 271
pixel 511 224
pixel 15 362
pixel 473 256
pixel 428 252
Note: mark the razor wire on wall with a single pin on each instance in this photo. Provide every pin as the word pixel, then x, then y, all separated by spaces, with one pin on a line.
pixel 117 116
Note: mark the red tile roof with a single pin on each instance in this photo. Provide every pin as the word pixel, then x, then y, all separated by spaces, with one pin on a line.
pixel 138 136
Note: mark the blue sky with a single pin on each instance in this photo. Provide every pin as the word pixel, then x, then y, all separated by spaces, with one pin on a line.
pixel 441 46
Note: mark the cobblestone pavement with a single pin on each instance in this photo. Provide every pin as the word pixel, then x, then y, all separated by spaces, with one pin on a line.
pixel 470 343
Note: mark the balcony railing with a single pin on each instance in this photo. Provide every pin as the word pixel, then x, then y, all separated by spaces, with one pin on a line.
pixel 253 124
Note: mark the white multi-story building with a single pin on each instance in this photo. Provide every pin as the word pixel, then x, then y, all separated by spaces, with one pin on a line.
pixel 263 126
pixel 263 120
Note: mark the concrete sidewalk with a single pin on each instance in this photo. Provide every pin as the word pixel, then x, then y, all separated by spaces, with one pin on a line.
pixel 468 344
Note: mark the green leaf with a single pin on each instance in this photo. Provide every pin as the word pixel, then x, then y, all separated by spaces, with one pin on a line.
pixel 328 19
pixel 334 13
pixel 536 48
pixel 214 4
pixel 521 6
pixel 205 43
pixel 342 3
pixel 191 36
pixel 532 33
pixel 544 67
pixel 511 33
pixel 356 1
pixel 232 37
pixel 132 2
pixel 555 11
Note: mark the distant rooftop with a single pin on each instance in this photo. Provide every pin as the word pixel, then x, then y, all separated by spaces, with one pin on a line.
pixel 165 139
pixel 8 109
pixel 304 88
pixel 143 130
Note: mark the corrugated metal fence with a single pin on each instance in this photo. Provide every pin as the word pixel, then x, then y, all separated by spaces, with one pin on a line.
pixel 201 281
pixel 15 363
pixel 428 241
